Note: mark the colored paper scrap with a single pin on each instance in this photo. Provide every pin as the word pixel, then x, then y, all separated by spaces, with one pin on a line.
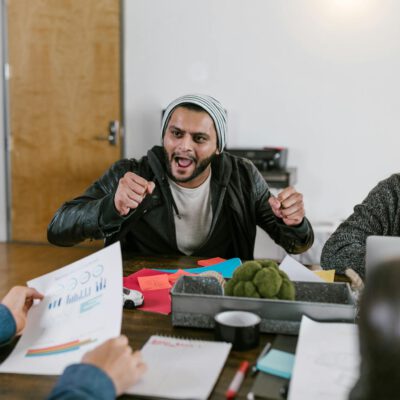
pixel 210 261
pixel 225 268
pixel 174 277
pixel 328 275
pixel 154 282
pixel 158 301
pixel 277 362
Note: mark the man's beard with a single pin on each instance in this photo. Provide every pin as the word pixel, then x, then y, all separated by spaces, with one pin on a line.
pixel 200 167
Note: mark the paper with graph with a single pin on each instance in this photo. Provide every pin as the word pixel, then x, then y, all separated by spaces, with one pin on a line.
pixel 81 309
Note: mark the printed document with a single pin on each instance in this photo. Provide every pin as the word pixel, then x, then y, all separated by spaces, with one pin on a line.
pixel 327 361
pixel 82 308
pixel 297 271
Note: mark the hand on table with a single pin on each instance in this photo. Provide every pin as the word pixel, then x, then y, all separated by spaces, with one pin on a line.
pixel 288 206
pixel 131 191
pixel 116 359
pixel 19 300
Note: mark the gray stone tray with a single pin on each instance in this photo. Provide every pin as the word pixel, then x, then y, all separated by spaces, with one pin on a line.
pixel 195 301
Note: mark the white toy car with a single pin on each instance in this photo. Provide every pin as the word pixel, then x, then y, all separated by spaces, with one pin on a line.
pixel 132 298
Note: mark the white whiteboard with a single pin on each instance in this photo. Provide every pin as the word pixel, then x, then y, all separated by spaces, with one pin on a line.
pixel 318 76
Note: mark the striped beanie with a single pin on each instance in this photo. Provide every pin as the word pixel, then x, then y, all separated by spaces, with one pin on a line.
pixel 212 106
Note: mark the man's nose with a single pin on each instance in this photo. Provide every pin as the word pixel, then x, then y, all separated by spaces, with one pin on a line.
pixel 186 142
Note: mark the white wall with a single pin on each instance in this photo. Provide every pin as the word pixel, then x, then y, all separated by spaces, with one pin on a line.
pixel 318 76
pixel 3 218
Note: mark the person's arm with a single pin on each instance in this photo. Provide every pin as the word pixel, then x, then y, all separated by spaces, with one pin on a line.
pixel 83 382
pixel 105 372
pixel 283 217
pixel 376 215
pixel 13 311
pixel 92 215
pixel 8 327
pixel 103 208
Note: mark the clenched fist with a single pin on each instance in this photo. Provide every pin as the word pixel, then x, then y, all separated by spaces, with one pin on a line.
pixel 131 191
pixel 288 206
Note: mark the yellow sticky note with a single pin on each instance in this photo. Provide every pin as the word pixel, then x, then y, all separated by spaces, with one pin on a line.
pixel 328 275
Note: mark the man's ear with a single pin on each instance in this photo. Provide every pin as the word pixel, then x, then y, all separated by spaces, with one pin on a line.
pixel 217 152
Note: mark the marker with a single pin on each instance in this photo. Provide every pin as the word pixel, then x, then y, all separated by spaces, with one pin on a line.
pixel 264 351
pixel 237 380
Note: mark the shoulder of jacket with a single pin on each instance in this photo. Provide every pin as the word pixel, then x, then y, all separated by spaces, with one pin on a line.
pixel 246 172
pixel 392 184
pixel 239 163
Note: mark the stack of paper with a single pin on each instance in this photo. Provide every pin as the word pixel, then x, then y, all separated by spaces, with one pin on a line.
pixel 327 361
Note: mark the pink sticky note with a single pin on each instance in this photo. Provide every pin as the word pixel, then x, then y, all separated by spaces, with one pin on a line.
pixel 174 277
pixel 210 261
pixel 154 282
pixel 158 301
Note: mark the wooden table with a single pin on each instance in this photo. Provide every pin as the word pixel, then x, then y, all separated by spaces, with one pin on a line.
pixel 137 325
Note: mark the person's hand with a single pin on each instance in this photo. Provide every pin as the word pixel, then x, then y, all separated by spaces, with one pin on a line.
pixel 131 191
pixel 288 206
pixel 19 300
pixel 116 359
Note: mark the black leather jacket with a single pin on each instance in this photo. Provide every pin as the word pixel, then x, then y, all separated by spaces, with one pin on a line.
pixel 239 196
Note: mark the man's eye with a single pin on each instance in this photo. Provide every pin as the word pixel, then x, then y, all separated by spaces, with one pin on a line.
pixel 200 139
pixel 176 133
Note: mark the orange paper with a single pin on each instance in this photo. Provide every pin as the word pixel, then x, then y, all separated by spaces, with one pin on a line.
pixel 174 277
pixel 210 261
pixel 154 282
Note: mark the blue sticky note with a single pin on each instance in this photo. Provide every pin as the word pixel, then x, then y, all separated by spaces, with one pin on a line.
pixel 277 362
pixel 225 268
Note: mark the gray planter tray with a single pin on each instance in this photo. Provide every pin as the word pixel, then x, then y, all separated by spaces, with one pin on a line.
pixel 195 301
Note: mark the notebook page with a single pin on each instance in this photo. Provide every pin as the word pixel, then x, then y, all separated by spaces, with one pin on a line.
pixel 180 368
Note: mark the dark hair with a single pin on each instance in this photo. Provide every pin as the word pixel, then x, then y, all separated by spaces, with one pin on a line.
pixel 379 333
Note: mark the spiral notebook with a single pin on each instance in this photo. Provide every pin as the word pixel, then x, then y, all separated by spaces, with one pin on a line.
pixel 180 368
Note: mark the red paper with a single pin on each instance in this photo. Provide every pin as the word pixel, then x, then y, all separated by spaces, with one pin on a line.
pixel 158 301
pixel 210 261
pixel 154 282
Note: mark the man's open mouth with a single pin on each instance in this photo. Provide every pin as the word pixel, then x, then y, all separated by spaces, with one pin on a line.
pixel 183 162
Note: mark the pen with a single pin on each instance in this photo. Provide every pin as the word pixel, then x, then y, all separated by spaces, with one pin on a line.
pixel 262 354
pixel 284 390
pixel 237 380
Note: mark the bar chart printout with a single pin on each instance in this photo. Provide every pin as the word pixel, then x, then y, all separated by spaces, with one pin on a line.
pixel 70 320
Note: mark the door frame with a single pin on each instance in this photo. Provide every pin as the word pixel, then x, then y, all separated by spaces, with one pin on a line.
pixel 6 189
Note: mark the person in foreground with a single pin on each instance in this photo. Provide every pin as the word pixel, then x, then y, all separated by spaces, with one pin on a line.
pixel 378 214
pixel 104 373
pixel 186 197
pixel 379 333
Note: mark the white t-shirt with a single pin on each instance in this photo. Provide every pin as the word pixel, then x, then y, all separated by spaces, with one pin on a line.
pixel 194 206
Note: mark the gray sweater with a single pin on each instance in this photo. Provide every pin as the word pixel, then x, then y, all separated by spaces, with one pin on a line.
pixel 378 214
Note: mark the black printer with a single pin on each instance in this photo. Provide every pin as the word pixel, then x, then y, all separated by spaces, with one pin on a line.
pixel 271 162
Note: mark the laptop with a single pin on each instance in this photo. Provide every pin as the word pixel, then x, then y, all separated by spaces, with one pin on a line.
pixel 380 249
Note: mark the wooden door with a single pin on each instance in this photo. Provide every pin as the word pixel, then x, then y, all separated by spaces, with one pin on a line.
pixel 64 58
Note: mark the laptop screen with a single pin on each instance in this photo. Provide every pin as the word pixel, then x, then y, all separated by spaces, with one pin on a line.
pixel 381 249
